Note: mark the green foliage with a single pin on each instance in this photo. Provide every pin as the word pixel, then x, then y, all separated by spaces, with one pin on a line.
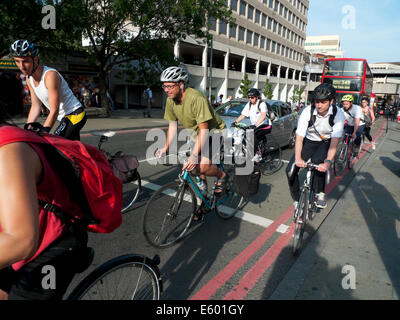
pixel 268 92
pixel 245 86
pixel 297 93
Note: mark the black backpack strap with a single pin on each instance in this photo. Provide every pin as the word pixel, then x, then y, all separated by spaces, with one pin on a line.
pixel 332 116
pixel 312 116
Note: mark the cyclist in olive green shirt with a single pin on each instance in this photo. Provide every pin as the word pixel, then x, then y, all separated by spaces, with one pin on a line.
pixel 191 107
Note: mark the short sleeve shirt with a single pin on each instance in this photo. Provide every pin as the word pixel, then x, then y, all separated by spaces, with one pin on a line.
pixel 193 110
pixel 354 113
pixel 254 113
pixel 321 127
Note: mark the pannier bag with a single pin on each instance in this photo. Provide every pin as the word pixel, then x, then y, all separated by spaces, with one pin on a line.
pixel 247 185
pixel 124 166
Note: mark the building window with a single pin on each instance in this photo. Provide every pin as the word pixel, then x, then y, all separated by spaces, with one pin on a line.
pixel 249 36
pixel 242 10
pixel 232 30
pixel 274 28
pixel 271 3
pixel 222 27
pixel 263 20
pixel 255 40
pixel 278 48
pixel 241 33
pixel 262 42
pixel 268 45
pixel 269 23
pixel 257 16
pixel 279 29
pixel 281 9
pixel 250 12
pixel 213 23
pixel 234 5
pixel 276 6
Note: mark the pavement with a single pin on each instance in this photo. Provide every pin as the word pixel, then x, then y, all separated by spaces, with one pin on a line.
pixel 355 253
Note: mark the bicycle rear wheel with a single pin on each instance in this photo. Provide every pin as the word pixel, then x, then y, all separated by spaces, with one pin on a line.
pixel 300 221
pixel 168 214
pixel 131 192
pixel 129 277
pixel 272 158
pixel 339 163
pixel 230 203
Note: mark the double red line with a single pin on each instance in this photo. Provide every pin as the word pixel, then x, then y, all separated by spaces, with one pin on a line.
pixel 249 280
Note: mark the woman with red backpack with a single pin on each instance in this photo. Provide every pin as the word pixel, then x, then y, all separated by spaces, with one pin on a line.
pixel 41 250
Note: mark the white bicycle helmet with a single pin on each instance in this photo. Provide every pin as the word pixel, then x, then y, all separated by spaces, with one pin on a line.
pixel 174 74
pixel 22 48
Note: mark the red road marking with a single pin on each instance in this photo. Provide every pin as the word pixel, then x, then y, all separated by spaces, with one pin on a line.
pixel 252 276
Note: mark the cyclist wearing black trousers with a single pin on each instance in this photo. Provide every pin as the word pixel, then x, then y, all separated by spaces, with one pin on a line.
pixel 257 111
pixel 317 137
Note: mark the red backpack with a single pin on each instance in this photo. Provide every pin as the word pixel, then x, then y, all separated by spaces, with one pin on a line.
pixel 86 172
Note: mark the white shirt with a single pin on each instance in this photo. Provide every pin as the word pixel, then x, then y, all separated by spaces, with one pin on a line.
pixel 68 101
pixel 254 114
pixel 355 112
pixel 321 124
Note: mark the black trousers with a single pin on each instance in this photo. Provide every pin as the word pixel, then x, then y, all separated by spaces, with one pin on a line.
pixel 317 151
pixel 70 129
pixel 367 132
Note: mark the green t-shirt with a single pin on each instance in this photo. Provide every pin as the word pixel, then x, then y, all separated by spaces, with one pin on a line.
pixel 194 109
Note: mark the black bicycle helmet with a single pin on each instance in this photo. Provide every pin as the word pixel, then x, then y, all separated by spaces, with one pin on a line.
pixel 23 48
pixel 254 92
pixel 324 91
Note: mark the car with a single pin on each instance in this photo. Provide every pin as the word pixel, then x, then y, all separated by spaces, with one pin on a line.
pixel 284 124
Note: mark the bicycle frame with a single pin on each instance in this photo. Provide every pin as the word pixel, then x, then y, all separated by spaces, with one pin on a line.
pixel 186 178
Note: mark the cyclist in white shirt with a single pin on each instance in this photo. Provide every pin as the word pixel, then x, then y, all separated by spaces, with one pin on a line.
pixel 47 86
pixel 319 130
pixel 257 111
pixel 354 116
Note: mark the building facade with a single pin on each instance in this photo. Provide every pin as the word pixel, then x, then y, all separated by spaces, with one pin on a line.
pixel 326 45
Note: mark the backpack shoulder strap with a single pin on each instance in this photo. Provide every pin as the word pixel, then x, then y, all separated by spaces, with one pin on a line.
pixel 312 116
pixel 332 116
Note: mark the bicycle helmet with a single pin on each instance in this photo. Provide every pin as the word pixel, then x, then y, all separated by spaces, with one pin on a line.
pixel 324 91
pixel 348 97
pixel 254 92
pixel 23 48
pixel 174 74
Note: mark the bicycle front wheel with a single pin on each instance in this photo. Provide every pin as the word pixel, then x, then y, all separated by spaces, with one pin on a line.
pixel 230 203
pixel 339 163
pixel 300 221
pixel 168 214
pixel 129 277
pixel 350 156
pixel 272 158
pixel 131 192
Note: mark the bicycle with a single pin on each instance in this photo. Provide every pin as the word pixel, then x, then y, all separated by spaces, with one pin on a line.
pixel 306 207
pixel 164 228
pixel 127 277
pixel 132 189
pixel 268 150
pixel 345 156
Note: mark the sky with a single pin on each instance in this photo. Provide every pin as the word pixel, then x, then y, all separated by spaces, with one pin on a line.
pixel 368 29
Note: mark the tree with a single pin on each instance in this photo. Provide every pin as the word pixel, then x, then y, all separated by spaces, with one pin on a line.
pixel 245 86
pixel 268 92
pixel 297 93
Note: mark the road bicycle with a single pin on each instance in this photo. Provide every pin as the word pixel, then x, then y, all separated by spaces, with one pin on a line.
pixel 132 189
pixel 267 149
pixel 307 205
pixel 127 277
pixel 345 156
pixel 170 211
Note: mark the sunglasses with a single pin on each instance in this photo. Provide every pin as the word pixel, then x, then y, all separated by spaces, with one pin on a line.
pixel 169 87
pixel 251 97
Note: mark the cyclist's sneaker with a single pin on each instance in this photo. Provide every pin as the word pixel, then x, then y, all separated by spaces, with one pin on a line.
pixel 373 146
pixel 321 200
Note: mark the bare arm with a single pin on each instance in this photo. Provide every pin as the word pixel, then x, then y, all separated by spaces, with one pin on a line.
pixel 196 152
pixel 298 147
pixel 240 118
pixel 372 114
pixel 34 111
pixel 323 167
pixel 52 81
pixel 20 169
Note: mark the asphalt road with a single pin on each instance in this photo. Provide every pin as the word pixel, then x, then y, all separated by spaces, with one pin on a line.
pixel 242 258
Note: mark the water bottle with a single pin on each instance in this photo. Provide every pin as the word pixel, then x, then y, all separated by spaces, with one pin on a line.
pixel 202 186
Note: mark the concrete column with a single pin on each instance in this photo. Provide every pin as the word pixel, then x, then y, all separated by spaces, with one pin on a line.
pixel 225 84
pixel 257 73
pixel 177 49
pixel 203 83
pixel 126 104
pixel 244 64
pixel 269 70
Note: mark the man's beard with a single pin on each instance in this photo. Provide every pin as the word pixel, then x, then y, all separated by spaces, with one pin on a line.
pixel 178 98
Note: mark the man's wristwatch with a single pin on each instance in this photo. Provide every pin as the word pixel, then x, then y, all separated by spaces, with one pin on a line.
pixel 328 161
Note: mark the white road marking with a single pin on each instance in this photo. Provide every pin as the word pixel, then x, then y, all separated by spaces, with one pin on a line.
pixel 245 216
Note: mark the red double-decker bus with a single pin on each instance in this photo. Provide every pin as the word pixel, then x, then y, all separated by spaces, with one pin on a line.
pixel 348 76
